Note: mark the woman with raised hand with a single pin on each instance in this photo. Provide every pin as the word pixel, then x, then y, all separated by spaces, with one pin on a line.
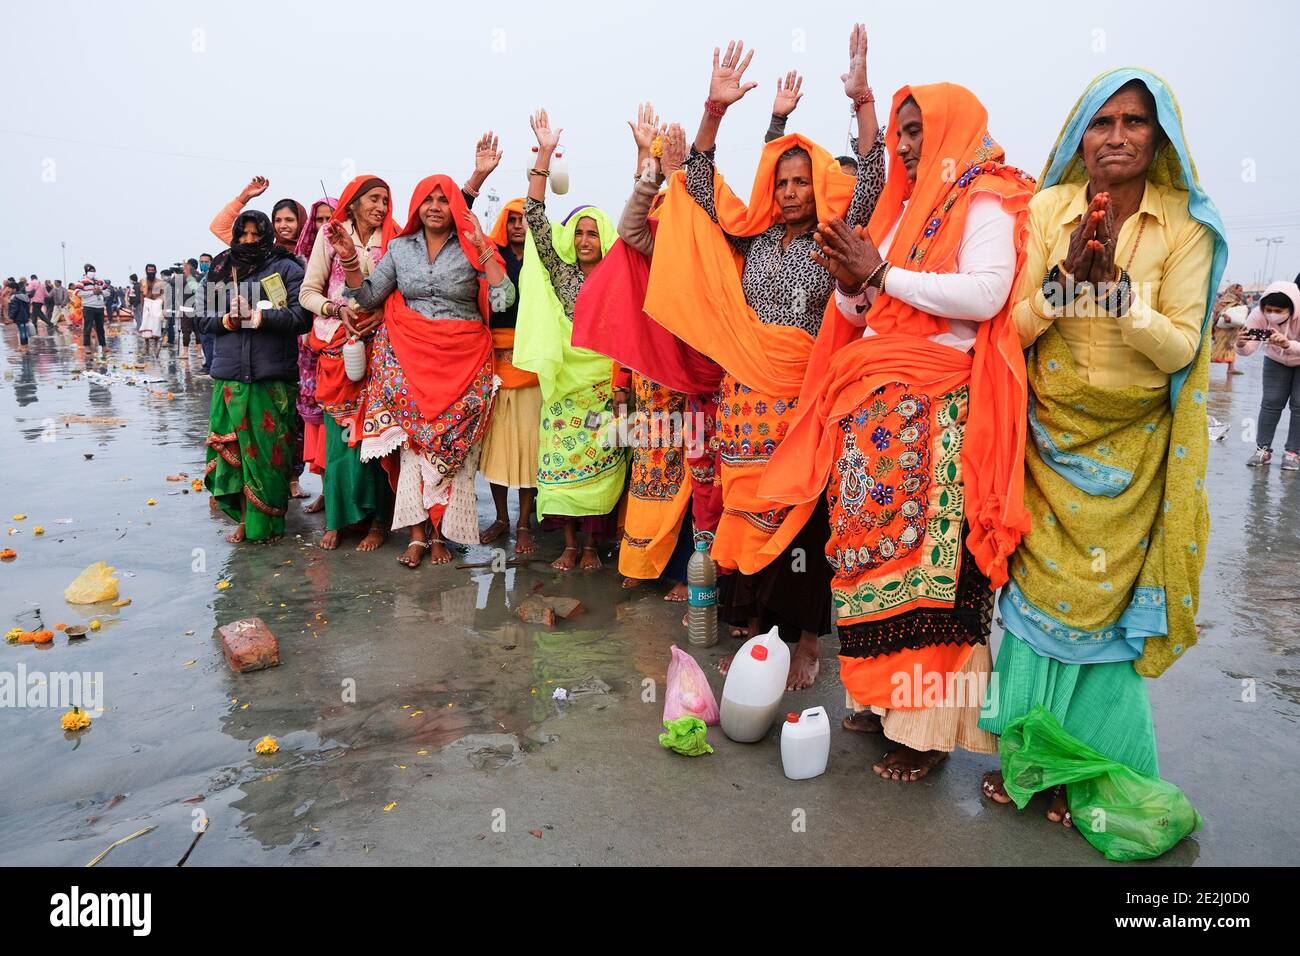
pixel 737 283
pixel 579 476
pixel 913 426
pixel 428 397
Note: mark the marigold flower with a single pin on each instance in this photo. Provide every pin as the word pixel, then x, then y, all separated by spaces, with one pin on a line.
pixel 75 719
pixel 267 745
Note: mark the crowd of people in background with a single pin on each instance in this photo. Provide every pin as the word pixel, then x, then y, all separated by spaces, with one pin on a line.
pixel 903 390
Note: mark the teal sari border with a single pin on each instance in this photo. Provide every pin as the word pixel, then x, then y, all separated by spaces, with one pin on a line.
pixel 1051 637
pixel 1087 474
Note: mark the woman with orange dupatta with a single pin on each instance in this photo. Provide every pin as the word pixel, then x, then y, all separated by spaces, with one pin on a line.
pixel 355 493
pixel 738 284
pixel 509 457
pixel 913 421
pixel 429 392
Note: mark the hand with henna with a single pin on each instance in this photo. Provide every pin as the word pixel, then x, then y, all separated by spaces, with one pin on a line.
pixel 846 253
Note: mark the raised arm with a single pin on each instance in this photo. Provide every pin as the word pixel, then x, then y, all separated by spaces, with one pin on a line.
pixel 224 221
pixel 725 88
pixel 788 95
pixel 486 159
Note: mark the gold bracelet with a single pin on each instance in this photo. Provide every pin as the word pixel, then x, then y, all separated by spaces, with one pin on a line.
pixel 544 173
pixel 485 255
pixel 885 275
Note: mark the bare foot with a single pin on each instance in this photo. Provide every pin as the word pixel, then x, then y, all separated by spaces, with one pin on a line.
pixel 524 543
pixel 329 540
pixel 296 492
pixel 438 553
pixel 237 535
pixel 908 765
pixel 315 507
pixel 413 554
pixel 1059 812
pixel 804 666
pixel 863 722
pixel 373 539
pixel 212 503
pixel 590 560
pixel 564 562
pixel 678 593
pixel 495 530
pixel 630 584
pixel 993 789
pixel 724 664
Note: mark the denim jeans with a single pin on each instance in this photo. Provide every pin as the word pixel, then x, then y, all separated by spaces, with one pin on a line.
pixel 1281 386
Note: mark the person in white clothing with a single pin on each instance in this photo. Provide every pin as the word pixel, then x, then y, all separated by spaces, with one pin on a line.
pixel 913 422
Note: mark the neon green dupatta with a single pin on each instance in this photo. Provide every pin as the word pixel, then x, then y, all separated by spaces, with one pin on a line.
pixel 543 333
pixel 577 474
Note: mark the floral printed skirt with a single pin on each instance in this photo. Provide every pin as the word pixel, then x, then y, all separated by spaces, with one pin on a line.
pixel 251 435
pixel 906 590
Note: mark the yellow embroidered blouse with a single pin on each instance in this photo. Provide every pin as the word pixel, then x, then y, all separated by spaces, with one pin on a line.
pixel 1170 276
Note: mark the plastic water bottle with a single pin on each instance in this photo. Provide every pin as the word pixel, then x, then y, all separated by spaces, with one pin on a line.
pixel 702 588
pixel 559 174
pixel 354 359
pixel 805 743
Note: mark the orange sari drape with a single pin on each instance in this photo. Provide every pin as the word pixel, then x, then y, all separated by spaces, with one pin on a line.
pixel 928 238
pixel 695 292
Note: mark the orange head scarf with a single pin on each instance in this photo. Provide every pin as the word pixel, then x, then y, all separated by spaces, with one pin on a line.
pixel 958 161
pixel 354 190
pixel 498 233
pixel 695 290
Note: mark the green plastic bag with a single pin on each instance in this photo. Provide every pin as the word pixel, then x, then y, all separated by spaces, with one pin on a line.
pixel 686 736
pixel 1124 814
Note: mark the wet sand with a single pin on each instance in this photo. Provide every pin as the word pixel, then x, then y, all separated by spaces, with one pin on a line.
pixel 451 748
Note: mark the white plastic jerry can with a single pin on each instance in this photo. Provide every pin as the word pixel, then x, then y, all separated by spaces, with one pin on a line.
pixel 751 696
pixel 805 743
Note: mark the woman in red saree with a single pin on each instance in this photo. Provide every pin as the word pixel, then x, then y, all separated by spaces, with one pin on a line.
pixel 428 397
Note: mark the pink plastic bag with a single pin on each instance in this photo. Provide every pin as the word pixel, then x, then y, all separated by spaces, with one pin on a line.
pixel 689 694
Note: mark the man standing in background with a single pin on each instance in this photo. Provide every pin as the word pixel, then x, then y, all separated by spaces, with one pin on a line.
pixel 206 341
pixel 36 298
pixel 91 289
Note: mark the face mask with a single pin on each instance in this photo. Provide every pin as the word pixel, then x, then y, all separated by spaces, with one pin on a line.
pixel 203 267
pixel 90 274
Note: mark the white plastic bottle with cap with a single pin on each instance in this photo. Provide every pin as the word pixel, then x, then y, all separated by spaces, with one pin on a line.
pixel 559 174
pixel 805 743
pixel 751 696
pixel 354 359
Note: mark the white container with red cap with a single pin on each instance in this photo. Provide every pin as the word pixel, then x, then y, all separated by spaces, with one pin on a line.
pixel 805 743
pixel 751 696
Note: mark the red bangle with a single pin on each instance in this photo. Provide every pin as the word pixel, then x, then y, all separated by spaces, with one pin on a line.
pixel 715 109
pixel 862 99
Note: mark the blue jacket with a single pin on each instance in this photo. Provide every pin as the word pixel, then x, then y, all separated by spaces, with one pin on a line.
pixel 268 353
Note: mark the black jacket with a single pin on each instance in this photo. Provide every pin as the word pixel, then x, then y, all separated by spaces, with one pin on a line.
pixel 268 353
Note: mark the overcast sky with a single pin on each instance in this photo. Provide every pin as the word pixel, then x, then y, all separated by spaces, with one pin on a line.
pixel 128 126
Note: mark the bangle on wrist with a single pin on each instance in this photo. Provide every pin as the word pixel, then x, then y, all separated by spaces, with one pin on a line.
pixel 544 173
pixel 714 108
pixel 862 99
pixel 876 273
pixel 470 191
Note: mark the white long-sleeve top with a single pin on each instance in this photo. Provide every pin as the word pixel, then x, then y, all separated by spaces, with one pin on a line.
pixel 977 291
